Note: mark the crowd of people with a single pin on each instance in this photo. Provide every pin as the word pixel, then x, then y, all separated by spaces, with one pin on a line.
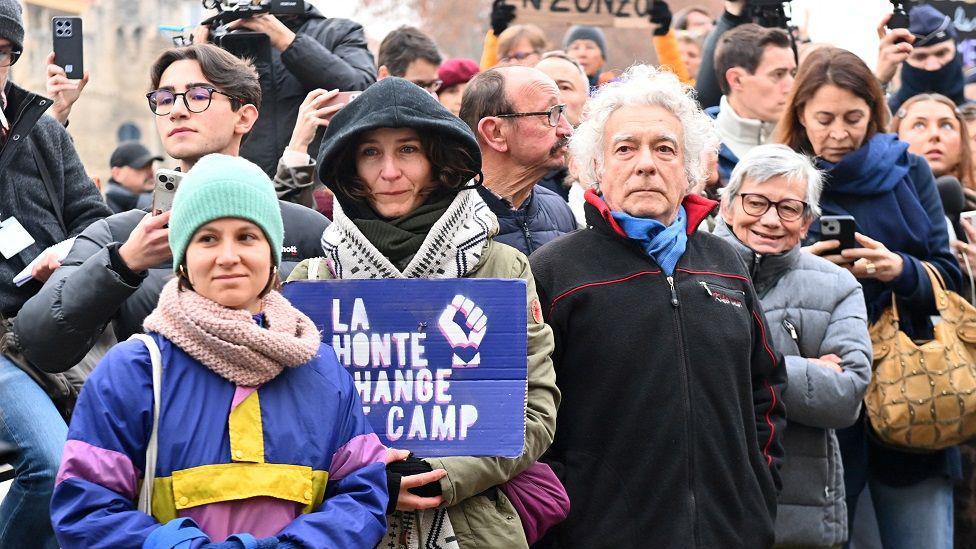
pixel 698 350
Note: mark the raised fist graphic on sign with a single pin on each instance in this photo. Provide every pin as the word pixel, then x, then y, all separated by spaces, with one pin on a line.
pixel 476 323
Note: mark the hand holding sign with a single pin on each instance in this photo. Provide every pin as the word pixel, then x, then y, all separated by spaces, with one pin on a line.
pixel 475 320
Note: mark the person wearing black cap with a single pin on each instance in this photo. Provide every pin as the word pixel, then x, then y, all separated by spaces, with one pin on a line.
pixel 131 184
pixel 403 170
pixel 45 197
pixel 930 61
pixel 588 46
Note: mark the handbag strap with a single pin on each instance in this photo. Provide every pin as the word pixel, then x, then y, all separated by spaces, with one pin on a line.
pixel 939 289
pixel 149 475
pixel 56 205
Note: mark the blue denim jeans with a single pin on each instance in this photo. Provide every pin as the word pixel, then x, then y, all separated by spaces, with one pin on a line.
pixel 30 422
pixel 918 515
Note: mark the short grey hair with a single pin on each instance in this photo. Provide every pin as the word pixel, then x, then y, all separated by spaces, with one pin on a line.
pixel 642 85
pixel 765 162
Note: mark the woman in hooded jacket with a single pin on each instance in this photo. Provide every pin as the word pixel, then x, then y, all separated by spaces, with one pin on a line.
pixel 837 112
pixel 403 170
pixel 256 432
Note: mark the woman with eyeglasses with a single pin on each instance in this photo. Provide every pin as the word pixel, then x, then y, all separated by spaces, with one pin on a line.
pixel 837 112
pixel 816 317
pixel 521 45
pixel 404 175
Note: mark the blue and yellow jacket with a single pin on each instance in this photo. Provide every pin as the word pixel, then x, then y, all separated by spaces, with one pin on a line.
pixel 294 458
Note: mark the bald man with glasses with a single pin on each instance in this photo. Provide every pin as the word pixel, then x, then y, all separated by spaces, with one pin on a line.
pixel 523 133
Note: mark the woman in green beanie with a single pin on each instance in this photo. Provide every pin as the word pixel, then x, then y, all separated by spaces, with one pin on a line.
pixel 251 433
pixel 403 169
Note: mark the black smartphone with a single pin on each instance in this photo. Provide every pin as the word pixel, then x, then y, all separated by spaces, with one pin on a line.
pixel 166 183
pixel 68 46
pixel 838 227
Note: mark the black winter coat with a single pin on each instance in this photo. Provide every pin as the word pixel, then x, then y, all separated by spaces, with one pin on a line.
pixel 669 432
pixel 542 217
pixel 328 54
pixel 24 196
pixel 93 287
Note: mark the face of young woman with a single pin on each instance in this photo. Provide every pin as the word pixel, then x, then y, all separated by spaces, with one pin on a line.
pixel 229 262
pixel 836 122
pixel 932 130
pixel 393 165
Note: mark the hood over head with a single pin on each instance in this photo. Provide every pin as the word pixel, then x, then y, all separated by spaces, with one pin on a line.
pixel 392 103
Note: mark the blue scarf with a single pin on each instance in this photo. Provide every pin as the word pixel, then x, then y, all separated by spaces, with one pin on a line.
pixel 664 244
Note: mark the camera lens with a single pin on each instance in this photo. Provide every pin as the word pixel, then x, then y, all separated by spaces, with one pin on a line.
pixel 169 186
pixel 161 178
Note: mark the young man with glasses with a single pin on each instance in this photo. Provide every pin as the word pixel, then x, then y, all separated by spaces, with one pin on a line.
pixel 523 134
pixel 409 53
pixel 45 197
pixel 205 101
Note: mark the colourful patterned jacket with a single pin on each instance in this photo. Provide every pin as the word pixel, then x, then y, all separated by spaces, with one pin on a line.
pixel 294 458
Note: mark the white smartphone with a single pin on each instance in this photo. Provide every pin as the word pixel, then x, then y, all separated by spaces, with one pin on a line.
pixel 167 181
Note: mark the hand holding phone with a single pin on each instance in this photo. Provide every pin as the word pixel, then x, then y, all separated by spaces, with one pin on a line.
pixel 69 46
pixel 166 183
pixel 840 228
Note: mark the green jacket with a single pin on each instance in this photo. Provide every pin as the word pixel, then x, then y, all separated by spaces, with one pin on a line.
pixel 480 522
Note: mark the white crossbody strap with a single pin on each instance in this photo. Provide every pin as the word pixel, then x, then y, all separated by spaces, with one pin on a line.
pixel 149 475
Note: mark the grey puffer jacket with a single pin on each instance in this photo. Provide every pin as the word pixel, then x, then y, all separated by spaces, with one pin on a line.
pixel 813 308
pixel 93 286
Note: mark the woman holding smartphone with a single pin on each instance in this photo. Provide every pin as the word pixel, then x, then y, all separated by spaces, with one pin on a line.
pixel 837 112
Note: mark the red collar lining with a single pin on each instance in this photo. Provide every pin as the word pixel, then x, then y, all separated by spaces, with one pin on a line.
pixel 697 208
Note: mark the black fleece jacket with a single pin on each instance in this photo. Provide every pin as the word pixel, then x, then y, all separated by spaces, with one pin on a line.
pixel 669 432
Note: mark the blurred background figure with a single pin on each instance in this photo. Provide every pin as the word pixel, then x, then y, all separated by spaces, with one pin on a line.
pixel 131 184
pixel 454 75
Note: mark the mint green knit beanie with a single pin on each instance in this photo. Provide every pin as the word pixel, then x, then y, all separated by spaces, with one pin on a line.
pixel 221 186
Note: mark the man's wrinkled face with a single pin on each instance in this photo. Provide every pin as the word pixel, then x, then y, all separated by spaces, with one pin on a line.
pixel 643 163
pixel 572 84
pixel 932 58
pixel 532 142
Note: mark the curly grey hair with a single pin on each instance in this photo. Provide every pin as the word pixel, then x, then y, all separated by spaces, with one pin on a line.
pixel 642 85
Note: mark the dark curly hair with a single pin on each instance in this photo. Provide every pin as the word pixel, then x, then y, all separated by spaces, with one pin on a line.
pixel 450 166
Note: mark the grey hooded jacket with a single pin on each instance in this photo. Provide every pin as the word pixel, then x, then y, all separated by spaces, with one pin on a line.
pixel 813 308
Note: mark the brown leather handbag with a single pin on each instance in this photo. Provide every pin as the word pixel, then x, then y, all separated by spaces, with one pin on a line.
pixel 922 396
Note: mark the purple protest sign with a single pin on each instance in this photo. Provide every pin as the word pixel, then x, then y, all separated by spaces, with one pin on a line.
pixel 439 364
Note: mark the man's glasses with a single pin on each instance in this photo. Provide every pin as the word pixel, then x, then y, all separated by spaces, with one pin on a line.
pixel 429 85
pixel 9 57
pixel 553 113
pixel 518 57
pixel 196 99
pixel 757 205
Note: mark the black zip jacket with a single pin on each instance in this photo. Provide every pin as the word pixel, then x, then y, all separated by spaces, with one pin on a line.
pixel 328 54
pixel 669 432
pixel 24 196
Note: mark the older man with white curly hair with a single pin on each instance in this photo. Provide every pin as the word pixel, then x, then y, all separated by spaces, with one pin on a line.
pixel 669 433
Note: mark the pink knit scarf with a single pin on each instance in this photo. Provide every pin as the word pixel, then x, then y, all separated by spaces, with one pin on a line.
pixel 228 341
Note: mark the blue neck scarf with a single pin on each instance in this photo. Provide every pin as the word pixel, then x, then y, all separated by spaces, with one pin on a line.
pixel 664 244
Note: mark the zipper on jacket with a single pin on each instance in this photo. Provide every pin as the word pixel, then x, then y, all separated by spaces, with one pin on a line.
pixel 792 330
pixel 756 260
pixel 527 235
pixel 683 361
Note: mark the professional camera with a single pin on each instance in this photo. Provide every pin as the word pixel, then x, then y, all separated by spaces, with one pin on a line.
pixel 769 13
pixel 240 42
